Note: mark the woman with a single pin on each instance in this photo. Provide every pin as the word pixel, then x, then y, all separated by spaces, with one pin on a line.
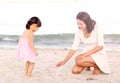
pixel 94 55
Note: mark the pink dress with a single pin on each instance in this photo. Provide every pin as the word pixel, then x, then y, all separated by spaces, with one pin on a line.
pixel 24 51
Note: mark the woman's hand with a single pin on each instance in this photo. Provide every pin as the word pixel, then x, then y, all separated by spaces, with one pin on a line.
pixel 81 56
pixel 60 63
pixel 70 54
pixel 84 55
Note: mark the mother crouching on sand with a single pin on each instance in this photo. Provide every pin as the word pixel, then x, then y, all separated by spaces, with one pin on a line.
pixel 92 37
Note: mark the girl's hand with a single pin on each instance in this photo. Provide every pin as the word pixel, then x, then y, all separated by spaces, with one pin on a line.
pixel 60 63
pixel 36 53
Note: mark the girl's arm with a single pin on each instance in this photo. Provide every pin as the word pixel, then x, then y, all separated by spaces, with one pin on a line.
pixel 70 54
pixel 31 36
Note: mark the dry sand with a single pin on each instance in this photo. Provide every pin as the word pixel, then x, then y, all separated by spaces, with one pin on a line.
pixel 45 71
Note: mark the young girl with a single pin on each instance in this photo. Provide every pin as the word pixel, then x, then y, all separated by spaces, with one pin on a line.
pixel 26 49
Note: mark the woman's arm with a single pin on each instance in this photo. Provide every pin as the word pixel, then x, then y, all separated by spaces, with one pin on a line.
pixel 70 54
pixel 94 50
pixel 100 42
pixel 75 45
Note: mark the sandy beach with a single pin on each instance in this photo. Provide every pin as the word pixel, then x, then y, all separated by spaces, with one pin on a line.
pixel 45 71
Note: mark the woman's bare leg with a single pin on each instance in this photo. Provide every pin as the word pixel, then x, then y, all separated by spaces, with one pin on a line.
pixel 78 58
pixel 87 69
pixel 96 68
pixel 88 62
pixel 77 69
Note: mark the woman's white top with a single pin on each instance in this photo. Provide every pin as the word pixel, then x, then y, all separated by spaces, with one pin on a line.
pixel 95 39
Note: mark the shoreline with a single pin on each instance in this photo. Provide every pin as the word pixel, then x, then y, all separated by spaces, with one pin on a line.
pixel 108 49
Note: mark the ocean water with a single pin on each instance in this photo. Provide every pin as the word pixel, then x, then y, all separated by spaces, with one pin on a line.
pixel 112 41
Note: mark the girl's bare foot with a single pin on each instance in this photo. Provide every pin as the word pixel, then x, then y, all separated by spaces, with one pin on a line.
pixel 28 76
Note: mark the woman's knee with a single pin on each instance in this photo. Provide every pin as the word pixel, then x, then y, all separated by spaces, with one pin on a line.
pixel 75 71
pixel 79 61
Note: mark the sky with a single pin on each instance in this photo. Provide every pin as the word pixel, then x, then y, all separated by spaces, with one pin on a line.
pixel 57 16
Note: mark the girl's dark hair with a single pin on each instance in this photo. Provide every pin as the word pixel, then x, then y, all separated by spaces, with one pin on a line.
pixel 83 16
pixel 33 20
